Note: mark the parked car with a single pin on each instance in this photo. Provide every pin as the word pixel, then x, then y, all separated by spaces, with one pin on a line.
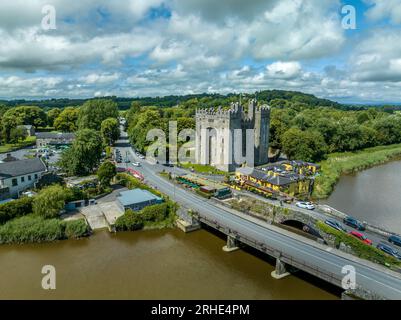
pixel 305 205
pixel 352 222
pixel 141 156
pixel 136 164
pixel 361 237
pixel 395 240
pixel 335 224
pixel 389 250
pixel 168 164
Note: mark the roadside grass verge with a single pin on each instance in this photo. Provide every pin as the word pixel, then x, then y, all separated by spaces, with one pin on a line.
pixel 338 164
pixel 360 249
pixel 200 168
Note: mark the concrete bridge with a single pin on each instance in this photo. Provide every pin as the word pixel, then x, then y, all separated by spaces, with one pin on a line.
pixel 372 281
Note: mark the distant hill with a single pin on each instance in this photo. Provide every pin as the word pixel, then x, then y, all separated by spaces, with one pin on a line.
pixel 205 99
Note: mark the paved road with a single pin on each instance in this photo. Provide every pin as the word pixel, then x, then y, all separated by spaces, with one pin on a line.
pixel 369 276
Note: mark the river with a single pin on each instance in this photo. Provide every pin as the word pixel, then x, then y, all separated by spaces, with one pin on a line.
pixel 164 264
pixel 372 195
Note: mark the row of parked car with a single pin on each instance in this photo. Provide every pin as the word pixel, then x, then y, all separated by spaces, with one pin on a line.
pixel 354 223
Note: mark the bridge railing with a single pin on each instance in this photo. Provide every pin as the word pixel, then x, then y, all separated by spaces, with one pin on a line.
pixel 321 273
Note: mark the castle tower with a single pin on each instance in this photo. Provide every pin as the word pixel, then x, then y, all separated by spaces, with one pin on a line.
pixel 220 133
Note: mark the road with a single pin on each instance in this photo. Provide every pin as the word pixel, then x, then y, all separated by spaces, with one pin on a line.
pixel 371 277
pixel 319 215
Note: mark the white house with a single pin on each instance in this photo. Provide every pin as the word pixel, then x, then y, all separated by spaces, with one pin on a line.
pixel 17 176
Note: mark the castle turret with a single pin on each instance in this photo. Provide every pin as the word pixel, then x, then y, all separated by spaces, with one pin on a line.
pixel 215 128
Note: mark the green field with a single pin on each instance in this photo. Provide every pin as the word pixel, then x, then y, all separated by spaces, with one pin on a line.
pixel 29 141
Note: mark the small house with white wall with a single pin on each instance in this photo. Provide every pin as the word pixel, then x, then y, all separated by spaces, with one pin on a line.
pixel 20 175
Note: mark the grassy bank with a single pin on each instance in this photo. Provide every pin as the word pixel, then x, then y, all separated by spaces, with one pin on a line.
pixel 29 141
pixel 361 249
pixel 338 164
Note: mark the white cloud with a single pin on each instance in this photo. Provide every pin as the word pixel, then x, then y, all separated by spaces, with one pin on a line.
pixel 284 70
pixel 96 78
pixel 377 58
pixel 382 9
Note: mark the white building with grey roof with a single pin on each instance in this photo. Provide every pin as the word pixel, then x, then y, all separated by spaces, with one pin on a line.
pixel 20 175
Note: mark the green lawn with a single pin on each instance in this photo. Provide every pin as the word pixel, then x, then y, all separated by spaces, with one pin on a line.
pixel 338 164
pixel 206 169
pixel 29 141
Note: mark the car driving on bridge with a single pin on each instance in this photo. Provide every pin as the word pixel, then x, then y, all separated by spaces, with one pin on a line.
pixel 354 223
pixel 361 237
pixel 305 205
pixel 335 224
pixel 395 240
pixel 389 250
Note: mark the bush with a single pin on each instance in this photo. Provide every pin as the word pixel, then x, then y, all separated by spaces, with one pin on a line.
pixel 75 229
pixel 50 201
pixel 155 213
pixel 130 221
pixel 130 182
pixel 31 229
pixel 15 209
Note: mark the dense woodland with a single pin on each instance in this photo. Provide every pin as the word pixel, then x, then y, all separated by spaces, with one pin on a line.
pixel 302 126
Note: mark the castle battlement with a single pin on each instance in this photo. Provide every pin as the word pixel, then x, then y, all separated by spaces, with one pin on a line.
pixel 215 146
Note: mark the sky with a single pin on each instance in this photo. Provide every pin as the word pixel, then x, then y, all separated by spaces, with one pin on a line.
pixel 137 48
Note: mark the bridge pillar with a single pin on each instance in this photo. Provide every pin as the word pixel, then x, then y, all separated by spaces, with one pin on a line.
pixel 280 271
pixel 231 244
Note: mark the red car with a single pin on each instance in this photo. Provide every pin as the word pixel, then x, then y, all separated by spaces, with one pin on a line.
pixel 361 237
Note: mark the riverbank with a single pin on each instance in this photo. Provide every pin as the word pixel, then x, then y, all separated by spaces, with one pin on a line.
pixel 339 164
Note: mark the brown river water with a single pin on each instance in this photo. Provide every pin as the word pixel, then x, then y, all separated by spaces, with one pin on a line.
pixel 164 264
pixel 372 195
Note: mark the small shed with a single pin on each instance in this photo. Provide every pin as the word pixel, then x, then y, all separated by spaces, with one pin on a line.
pixel 137 199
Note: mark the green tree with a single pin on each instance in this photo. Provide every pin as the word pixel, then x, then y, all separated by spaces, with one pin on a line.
pixel 28 115
pixel 84 154
pixel 50 201
pixel 147 120
pixel 93 112
pixel 18 134
pixel 105 173
pixel 67 120
pixel 52 114
pixel 306 145
pixel 110 130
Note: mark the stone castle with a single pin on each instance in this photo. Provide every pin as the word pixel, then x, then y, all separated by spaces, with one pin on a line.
pixel 221 135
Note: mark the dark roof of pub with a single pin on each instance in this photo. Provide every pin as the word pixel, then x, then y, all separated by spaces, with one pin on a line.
pixel 55 135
